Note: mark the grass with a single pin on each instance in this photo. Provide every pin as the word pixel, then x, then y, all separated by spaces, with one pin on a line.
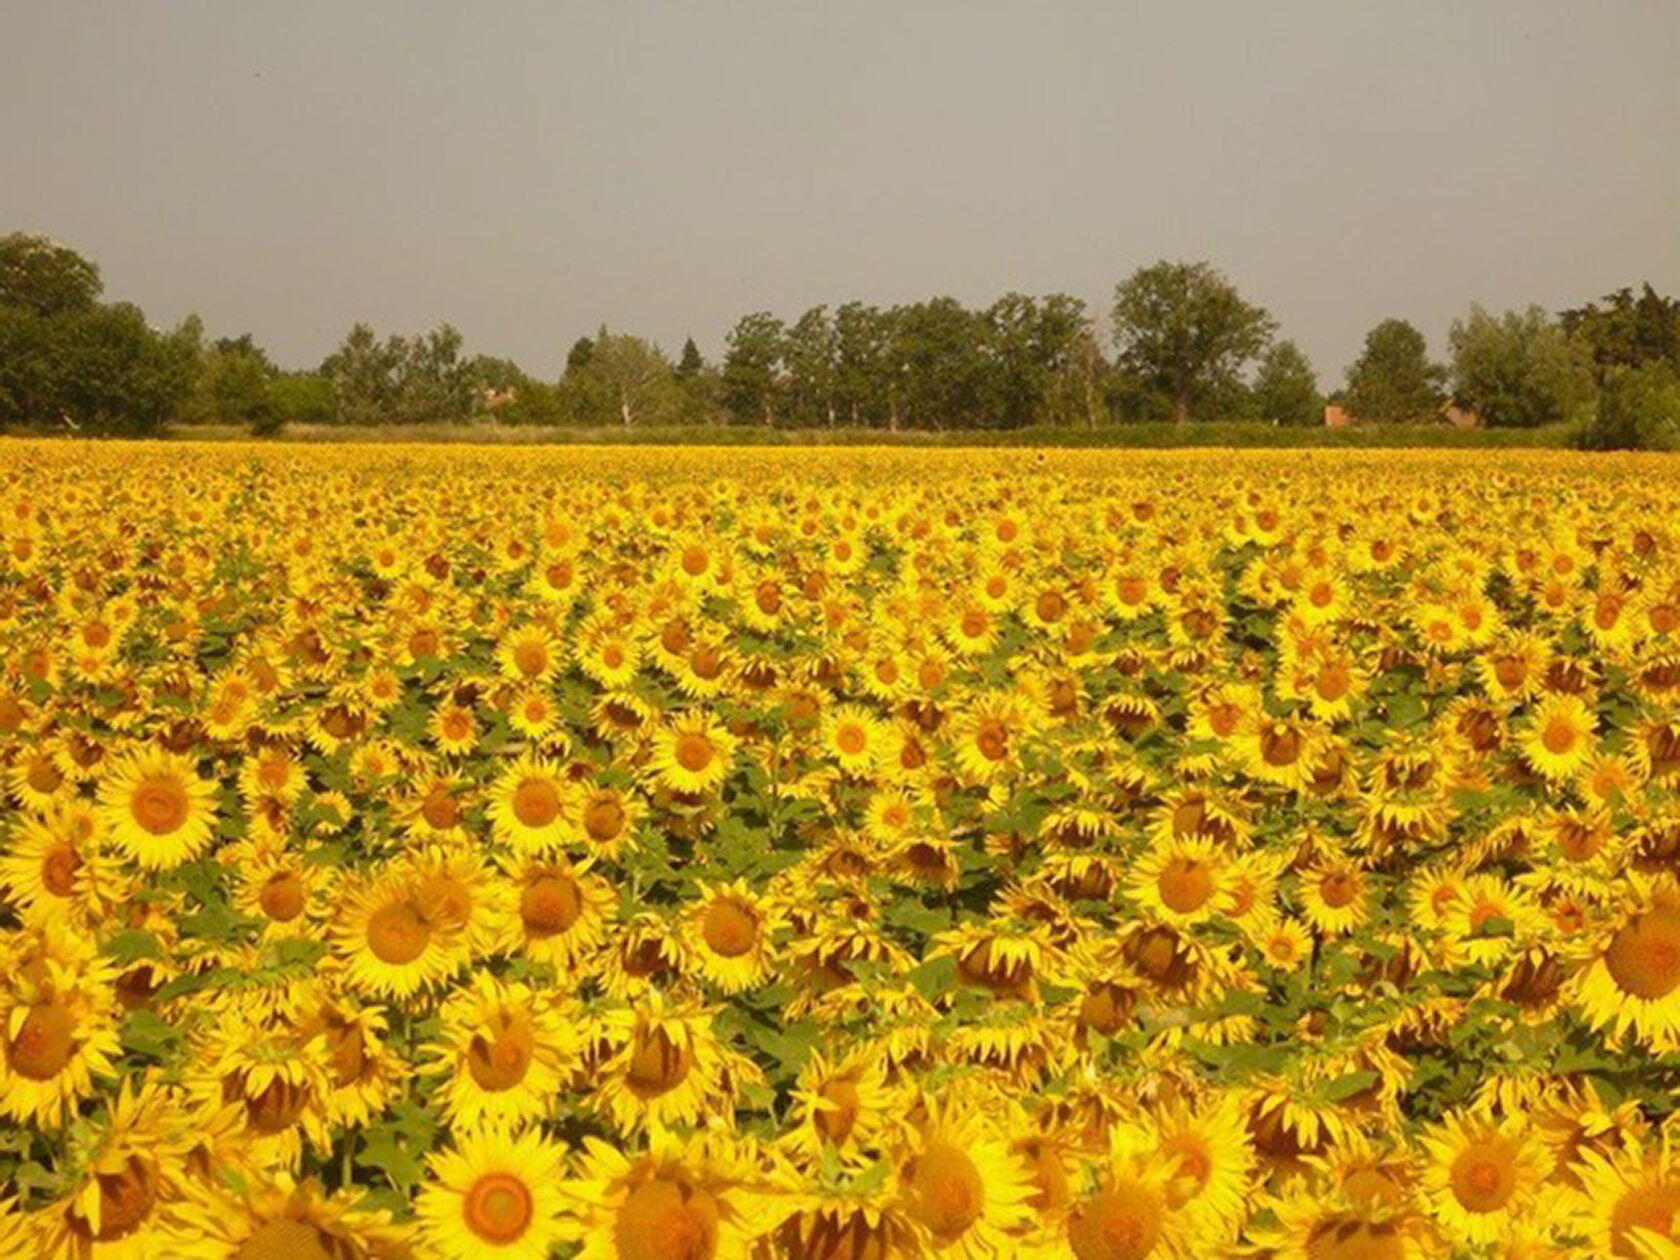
pixel 1203 434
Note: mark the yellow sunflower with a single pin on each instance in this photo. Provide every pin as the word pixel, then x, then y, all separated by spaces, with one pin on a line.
pixel 505 1050
pixel 156 809
pixel 1483 1175
pixel 492 1194
pixel 693 754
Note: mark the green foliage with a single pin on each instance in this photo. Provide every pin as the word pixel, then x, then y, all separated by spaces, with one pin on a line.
pixel 1638 409
pixel 41 276
pixel 301 398
pixel 1627 331
pixel 1393 381
pixel 1183 329
pixel 752 385
pixel 1518 369
pixel 403 380
pixel 1286 389
pixel 623 380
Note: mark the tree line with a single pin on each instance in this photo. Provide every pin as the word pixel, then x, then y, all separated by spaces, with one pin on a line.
pixel 1183 345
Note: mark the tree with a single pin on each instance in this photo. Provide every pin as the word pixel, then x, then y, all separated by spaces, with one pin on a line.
pixel 809 353
pixel 1627 331
pixel 1638 409
pixel 1519 369
pixel 625 380
pixel 1286 388
pixel 1183 329
pixel 939 371
pixel 1393 380
pixel 577 358
pixel 42 276
pixel 862 389
pixel 689 364
pixel 752 369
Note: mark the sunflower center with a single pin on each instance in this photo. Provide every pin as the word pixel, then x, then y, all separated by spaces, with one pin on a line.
pixel 1484 1176
pixel 282 897
pixel 44 1044
pixel 1338 889
pixel 1050 606
pixel 530 659
pixel 658 1064
pixel 992 739
pixel 1122 1222
pixel 536 803
pixel 501 1062
pixel 550 904
pixel 498 1208
pixel 1280 746
pixel 1644 956
pixel 946 1193
pixel 58 869
pixel 397 933
pixel 278 1107
pixel 730 929
pixel 287 1238
pixel 125 1200
pixel 1511 671
pixel 1559 736
pixel 693 752
pixel 667 1219
pixel 1185 884
pixel 1333 683
pixel 851 740
pixel 345 1053
pixel 1195 1161
pixel 1653 1207
pixel 160 804
pixel 43 776
pixel 1345 1237
pixel 835 1121
pixel 603 817
pixel 440 810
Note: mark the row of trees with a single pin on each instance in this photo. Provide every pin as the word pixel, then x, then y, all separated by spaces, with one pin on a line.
pixel 1184 345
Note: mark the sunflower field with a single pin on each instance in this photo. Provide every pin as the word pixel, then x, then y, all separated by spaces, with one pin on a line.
pixel 661 854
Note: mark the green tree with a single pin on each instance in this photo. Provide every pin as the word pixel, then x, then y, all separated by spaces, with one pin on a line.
pixel 1627 331
pixel 1183 329
pixel 689 363
pixel 1286 388
pixel 625 380
pixel 1638 409
pixel 810 353
pixel 42 276
pixel 940 372
pixel 1393 381
pixel 1518 369
pixel 577 358
pixel 753 383
pixel 862 385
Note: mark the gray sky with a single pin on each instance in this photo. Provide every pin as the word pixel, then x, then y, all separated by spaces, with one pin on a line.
pixel 528 171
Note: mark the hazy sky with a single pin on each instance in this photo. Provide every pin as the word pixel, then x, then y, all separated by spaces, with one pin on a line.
pixel 528 171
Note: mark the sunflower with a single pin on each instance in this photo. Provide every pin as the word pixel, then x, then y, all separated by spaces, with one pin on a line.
pixel 666 1066
pixel 388 941
pixel 454 729
pixel 1335 896
pixel 846 1104
pixel 529 655
pixel 854 739
pixel 505 1050
pixel 54 867
pixel 1215 1162
pixel 962 1184
pixel 559 913
pixel 1482 1175
pixel 1632 984
pixel 59 1035
pixel 1123 1210
pixel 704 1199
pixel 730 929
pixel 530 806
pixel 1558 739
pixel 156 809
pixel 608 817
pixel 693 754
pixel 1633 1199
pixel 492 1194
pixel 1181 882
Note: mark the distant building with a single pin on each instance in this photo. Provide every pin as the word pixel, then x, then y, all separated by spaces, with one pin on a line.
pixel 1459 417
